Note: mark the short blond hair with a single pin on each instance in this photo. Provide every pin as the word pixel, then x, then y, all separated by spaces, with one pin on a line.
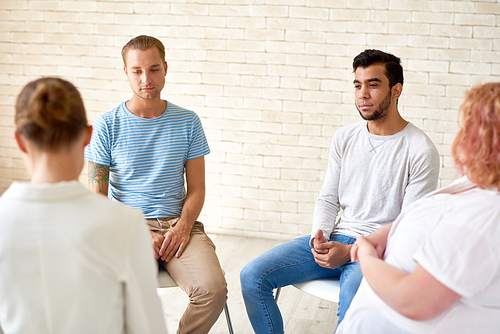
pixel 142 43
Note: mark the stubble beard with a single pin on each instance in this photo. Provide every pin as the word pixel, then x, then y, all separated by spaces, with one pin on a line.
pixel 379 113
pixel 148 96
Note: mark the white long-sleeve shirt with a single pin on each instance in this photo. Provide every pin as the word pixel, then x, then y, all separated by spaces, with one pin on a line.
pixel 72 261
pixel 372 178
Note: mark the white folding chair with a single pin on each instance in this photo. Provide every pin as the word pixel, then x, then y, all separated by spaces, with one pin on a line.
pixel 165 281
pixel 325 288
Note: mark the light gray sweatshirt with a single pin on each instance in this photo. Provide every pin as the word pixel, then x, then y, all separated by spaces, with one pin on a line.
pixel 372 178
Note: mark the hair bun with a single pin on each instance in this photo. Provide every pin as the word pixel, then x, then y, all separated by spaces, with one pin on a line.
pixel 50 113
pixel 47 105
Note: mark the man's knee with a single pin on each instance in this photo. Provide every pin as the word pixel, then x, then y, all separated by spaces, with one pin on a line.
pixel 212 291
pixel 248 276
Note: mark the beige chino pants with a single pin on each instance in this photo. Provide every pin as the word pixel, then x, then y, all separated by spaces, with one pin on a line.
pixel 198 272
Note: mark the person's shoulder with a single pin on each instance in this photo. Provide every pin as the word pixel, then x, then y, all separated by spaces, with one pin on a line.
pixel 174 109
pixel 181 116
pixel 418 138
pixel 351 130
pixel 108 118
pixel 117 111
pixel 476 205
pixel 412 131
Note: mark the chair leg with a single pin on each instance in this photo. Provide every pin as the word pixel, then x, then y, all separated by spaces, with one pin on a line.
pixel 276 296
pixel 228 319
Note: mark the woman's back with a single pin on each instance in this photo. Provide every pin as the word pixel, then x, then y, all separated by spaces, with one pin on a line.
pixel 74 262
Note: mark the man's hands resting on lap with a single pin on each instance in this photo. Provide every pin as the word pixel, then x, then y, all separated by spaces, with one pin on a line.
pixel 330 254
pixel 172 243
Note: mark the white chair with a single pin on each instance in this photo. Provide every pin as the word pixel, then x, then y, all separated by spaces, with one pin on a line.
pixel 165 281
pixel 325 288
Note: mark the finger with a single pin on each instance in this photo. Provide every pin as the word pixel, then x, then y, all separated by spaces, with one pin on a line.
pixel 168 256
pixel 323 264
pixel 319 256
pixel 156 241
pixel 180 250
pixel 156 249
pixel 317 260
pixel 322 250
pixel 321 236
pixel 163 248
pixel 354 253
pixel 170 251
pixel 166 246
pixel 324 247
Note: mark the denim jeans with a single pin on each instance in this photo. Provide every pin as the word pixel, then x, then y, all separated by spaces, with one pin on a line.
pixel 286 264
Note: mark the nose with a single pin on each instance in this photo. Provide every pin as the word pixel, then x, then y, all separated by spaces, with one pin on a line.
pixel 146 78
pixel 363 92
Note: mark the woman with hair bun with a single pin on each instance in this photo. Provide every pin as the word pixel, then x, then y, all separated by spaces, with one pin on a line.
pixel 437 270
pixel 67 264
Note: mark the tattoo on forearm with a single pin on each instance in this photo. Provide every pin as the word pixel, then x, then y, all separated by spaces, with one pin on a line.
pixel 98 175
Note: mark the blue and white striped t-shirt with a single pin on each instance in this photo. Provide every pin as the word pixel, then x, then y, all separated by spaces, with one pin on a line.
pixel 146 157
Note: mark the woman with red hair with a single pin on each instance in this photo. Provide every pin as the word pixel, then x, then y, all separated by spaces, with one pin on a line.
pixel 437 269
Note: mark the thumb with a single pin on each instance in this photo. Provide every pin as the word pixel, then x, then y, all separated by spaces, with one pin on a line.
pixel 319 233
pixel 319 236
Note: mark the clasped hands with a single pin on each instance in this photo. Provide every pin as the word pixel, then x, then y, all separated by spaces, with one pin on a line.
pixel 372 245
pixel 171 243
pixel 329 254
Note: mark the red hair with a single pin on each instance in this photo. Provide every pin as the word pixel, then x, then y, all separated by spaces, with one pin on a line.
pixel 476 148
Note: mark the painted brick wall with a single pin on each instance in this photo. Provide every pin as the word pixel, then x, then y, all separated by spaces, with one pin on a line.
pixel 271 80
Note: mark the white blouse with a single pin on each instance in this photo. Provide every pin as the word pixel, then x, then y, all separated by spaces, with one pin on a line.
pixel 72 261
pixel 454 234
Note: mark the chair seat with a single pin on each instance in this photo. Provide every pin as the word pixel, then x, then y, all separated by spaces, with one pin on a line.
pixel 164 279
pixel 327 288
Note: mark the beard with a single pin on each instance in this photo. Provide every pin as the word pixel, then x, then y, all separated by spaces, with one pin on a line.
pixel 379 113
pixel 150 96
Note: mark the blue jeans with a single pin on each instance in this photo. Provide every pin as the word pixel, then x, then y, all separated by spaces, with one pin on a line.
pixel 286 264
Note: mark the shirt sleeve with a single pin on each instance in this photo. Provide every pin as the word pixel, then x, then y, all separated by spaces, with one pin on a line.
pixel 424 172
pixel 99 149
pixel 198 145
pixel 143 309
pixel 327 204
pixel 462 258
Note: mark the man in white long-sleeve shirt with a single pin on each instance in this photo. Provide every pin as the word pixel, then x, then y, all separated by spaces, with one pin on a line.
pixel 376 168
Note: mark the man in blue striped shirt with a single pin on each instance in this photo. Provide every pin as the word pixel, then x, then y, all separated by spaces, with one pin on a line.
pixel 139 155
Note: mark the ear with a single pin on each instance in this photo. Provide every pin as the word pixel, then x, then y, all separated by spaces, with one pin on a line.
pixel 88 135
pixel 125 70
pixel 397 89
pixel 20 142
pixel 166 68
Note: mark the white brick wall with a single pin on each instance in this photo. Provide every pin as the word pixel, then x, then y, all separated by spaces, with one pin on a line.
pixel 271 80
